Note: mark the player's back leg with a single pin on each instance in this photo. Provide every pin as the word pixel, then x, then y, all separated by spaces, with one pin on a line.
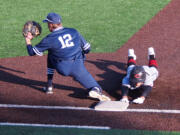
pixel 50 73
pixel 131 58
pixel 152 58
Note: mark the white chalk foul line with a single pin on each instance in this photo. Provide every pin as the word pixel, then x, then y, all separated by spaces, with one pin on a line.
pixel 85 108
pixel 153 111
pixel 52 125
pixel 44 107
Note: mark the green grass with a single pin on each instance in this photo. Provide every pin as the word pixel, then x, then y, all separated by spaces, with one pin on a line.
pixel 6 130
pixel 106 24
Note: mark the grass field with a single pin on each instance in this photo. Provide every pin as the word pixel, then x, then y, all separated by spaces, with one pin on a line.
pixel 106 24
pixel 74 131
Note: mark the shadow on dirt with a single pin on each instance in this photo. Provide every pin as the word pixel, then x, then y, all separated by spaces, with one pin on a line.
pixel 111 79
pixel 112 76
pixel 5 76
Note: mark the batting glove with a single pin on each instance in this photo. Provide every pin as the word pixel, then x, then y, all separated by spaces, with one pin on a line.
pixel 138 100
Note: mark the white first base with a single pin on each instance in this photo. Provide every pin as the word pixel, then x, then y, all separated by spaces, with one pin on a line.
pixel 111 106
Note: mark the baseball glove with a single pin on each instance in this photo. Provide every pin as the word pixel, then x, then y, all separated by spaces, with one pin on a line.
pixel 33 27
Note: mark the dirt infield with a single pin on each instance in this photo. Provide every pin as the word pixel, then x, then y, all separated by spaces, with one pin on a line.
pixel 22 79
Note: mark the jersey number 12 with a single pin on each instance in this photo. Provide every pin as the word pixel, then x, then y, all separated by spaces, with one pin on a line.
pixel 66 41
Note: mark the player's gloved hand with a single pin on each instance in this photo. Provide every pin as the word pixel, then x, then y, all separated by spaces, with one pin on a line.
pixel 28 38
pixel 33 27
pixel 124 100
pixel 30 30
pixel 139 100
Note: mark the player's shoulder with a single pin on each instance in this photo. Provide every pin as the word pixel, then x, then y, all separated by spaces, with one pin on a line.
pixel 145 67
pixel 73 30
pixel 130 68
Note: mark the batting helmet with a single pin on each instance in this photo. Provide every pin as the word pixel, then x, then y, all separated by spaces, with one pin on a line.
pixel 137 75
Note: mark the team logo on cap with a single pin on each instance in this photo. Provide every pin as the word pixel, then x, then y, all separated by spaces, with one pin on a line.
pixel 138 75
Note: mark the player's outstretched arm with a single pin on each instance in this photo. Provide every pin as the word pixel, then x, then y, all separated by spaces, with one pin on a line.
pixel 28 39
pixel 30 50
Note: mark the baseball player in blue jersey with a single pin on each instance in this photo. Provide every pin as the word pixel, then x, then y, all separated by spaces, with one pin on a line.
pixel 66 51
pixel 139 78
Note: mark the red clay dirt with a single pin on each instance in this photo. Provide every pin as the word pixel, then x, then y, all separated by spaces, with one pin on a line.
pixel 22 79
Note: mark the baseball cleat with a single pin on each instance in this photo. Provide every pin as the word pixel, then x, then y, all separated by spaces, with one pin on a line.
pixel 96 93
pixel 131 53
pixel 125 100
pixel 48 90
pixel 138 100
pixel 151 52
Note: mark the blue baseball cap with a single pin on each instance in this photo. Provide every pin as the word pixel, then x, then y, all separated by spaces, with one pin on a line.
pixel 53 18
